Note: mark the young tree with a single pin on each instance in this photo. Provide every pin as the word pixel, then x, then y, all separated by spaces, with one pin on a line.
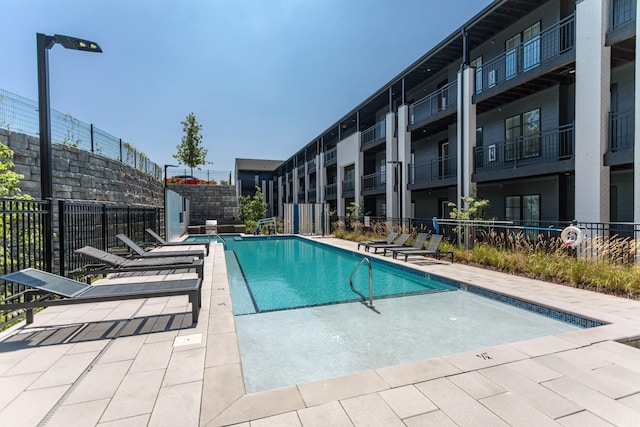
pixel 190 152
pixel 252 209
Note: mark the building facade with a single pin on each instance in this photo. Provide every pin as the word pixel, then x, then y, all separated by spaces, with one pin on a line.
pixel 531 104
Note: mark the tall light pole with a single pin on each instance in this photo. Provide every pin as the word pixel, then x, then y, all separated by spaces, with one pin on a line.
pixel 43 44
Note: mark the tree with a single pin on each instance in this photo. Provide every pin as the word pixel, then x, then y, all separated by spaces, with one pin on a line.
pixel 475 208
pixel 190 152
pixel 252 208
pixel 8 178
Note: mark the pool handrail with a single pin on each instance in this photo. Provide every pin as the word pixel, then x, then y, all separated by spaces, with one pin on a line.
pixel 364 300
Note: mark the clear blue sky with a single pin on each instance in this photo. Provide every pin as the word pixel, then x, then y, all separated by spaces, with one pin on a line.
pixel 263 77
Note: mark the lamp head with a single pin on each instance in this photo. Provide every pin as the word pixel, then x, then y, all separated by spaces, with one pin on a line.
pixel 76 43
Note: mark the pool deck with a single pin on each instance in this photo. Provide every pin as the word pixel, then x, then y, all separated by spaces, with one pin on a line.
pixel 142 363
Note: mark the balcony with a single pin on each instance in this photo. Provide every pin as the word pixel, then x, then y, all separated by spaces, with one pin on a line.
pixel 433 173
pixel 374 183
pixel 301 196
pixel 545 48
pixel 311 194
pixel 621 138
pixel 348 188
pixel 331 156
pixel 547 152
pixel 622 12
pixel 331 192
pixel 311 166
pixel 301 171
pixel 443 99
pixel 373 136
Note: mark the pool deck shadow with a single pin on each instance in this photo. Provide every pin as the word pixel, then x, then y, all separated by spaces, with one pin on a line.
pixel 141 362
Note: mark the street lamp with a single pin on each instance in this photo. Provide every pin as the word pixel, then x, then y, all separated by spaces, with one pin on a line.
pixel 43 44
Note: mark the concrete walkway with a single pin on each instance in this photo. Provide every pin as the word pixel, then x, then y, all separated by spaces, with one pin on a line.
pixel 142 363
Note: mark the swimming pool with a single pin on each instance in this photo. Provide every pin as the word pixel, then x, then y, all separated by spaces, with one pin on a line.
pixel 424 316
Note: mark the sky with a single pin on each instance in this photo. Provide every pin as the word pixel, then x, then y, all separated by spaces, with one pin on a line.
pixel 263 77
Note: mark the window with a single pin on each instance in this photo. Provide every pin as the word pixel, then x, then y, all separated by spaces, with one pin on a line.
pixel 522 208
pixel 477 63
pixel 531 47
pixel 444 158
pixel 522 51
pixel 522 135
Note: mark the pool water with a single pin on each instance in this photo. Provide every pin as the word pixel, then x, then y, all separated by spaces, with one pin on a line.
pixel 296 322
pixel 269 274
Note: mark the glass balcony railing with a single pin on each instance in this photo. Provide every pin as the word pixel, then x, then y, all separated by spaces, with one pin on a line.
pixel 348 187
pixel 331 155
pixel 331 191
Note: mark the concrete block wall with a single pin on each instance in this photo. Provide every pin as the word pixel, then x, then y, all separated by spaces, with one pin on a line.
pixel 209 202
pixel 80 175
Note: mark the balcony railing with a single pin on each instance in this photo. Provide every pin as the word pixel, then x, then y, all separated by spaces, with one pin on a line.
pixel 311 194
pixel 348 187
pixel 374 181
pixel 621 130
pixel 331 191
pixel 545 147
pixel 331 155
pixel 433 103
pixel 622 11
pixel 311 165
pixel 547 45
pixel 375 133
pixel 301 170
pixel 432 170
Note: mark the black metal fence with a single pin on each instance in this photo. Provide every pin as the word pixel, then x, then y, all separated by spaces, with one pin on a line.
pixel 90 224
pixel 24 223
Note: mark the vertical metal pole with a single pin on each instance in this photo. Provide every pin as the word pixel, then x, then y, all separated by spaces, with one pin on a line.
pixel 43 43
pixel 62 236
pixel 92 147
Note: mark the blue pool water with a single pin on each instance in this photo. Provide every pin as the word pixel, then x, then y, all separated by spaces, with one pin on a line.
pixel 269 274
pixel 417 315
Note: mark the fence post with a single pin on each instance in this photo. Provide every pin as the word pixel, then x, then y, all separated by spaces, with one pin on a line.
pixel 91 132
pixel 120 149
pixel 104 227
pixel 62 236
pixel 48 237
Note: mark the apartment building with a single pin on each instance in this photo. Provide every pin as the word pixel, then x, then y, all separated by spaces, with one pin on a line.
pixel 531 104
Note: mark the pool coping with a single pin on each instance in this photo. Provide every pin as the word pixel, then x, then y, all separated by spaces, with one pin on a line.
pixel 617 326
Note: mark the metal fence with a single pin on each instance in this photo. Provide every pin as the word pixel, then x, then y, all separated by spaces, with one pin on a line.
pixel 20 114
pixel 90 224
pixel 179 175
pixel 23 224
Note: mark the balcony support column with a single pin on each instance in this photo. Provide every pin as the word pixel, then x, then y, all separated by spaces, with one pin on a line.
pixel 636 137
pixel 404 155
pixel 466 135
pixel 593 82
pixel 392 189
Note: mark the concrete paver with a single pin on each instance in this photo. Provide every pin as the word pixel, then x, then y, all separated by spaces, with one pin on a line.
pixel 142 362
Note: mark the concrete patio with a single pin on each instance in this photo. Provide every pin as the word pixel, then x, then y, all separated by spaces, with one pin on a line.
pixel 142 363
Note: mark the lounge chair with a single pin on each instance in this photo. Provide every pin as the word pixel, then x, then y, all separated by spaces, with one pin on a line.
pixel 73 292
pixel 397 244
pixel 163 242
pixel 390 238
pixel 199 253
pixel 417 245
pixel 431 249
pixel 111 263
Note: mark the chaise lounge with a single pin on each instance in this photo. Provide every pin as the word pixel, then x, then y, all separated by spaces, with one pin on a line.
pixel 70 291
pixel 397 244
pixel 390 238
pixel 111 263
pixel 417 245
pixel 163 242
pixel 199 253
pixel 431 249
